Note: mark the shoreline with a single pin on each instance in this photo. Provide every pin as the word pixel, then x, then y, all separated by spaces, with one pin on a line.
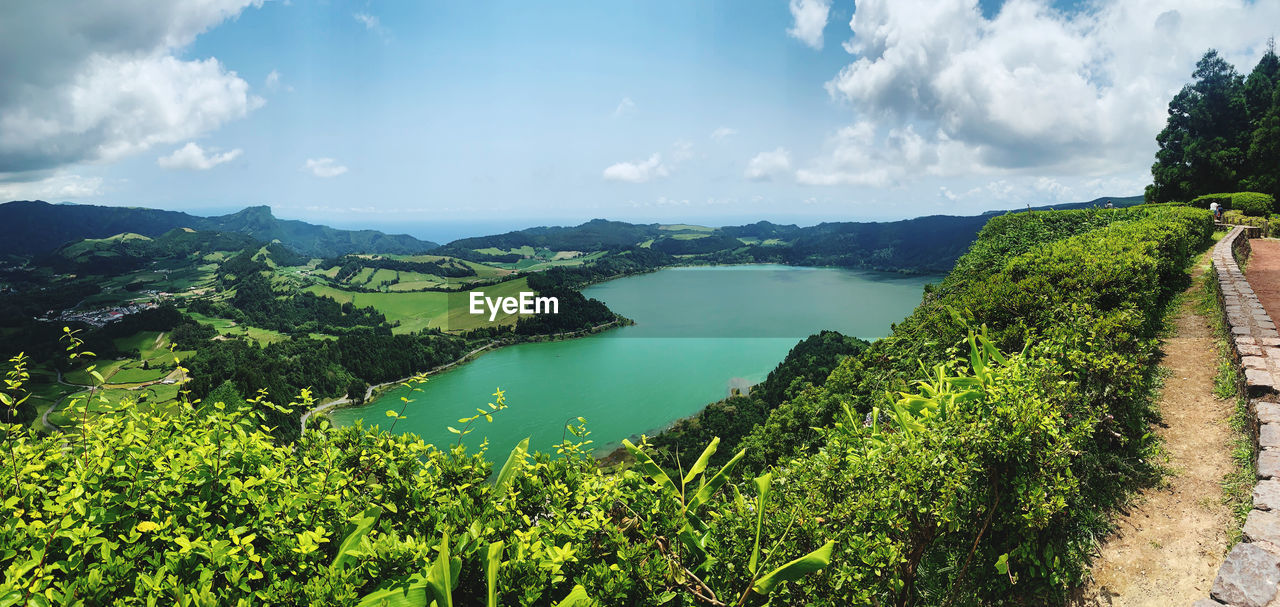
pixel 377 390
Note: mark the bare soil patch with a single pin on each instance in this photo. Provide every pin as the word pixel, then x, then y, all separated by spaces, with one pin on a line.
pixel 1263 273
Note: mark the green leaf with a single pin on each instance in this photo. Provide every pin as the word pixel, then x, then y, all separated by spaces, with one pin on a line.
pixel 651 469
pixel 491 571
pixel 796 569
pixel 1002 564
pixel 721 477
pixel 695 543
pixel 349 543
pixel 508 472
pixel 701 464
pixel 762 489
pixel 443 574
pixel 409 592
pixel 577 597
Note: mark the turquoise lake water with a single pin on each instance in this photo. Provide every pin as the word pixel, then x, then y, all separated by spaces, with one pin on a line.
pixel 698 332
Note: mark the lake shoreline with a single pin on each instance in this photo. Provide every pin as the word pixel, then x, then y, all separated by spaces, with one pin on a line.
pixel 665 378
pixel 376 391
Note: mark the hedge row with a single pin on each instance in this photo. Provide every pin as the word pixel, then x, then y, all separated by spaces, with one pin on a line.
pixel 1026 463
pixel 1253 204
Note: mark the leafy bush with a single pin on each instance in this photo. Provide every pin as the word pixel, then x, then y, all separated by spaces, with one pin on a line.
pixel 205 508
pixel 1085 305
pixel 1253 204
pixel 1269 225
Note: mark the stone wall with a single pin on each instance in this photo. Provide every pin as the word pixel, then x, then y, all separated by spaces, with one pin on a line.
pixel 1250 575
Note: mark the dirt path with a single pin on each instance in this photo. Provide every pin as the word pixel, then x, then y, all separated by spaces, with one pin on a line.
pixel 1167 549
pixel 1263 272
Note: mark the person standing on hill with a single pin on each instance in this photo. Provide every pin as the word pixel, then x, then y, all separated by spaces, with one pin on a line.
pixel 1216 210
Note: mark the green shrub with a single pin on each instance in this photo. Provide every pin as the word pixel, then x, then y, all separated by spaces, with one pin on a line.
pixel 1253 204
pixel 1087 305
pixel 1269 225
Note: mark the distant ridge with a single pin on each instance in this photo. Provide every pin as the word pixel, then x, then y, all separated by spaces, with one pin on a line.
pixel 33 227
pixel 928 244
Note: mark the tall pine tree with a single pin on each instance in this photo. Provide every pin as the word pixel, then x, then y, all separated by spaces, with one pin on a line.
pixel 1203 146
pixel 1262 97
pixel 1222 134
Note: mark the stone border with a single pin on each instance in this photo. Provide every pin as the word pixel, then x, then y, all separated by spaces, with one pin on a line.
pixel 1250 574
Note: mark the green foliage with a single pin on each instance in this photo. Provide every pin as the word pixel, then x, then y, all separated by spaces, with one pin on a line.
pixel 1085 305
pixel 206 508
pixel 1221 134
pixel 807 365
pixel 1252 204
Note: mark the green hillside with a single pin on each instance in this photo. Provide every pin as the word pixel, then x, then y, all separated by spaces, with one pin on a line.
pixel 36 227
pixel 995 428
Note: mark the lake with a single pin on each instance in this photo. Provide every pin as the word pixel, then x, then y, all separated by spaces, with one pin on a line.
pixel 698 332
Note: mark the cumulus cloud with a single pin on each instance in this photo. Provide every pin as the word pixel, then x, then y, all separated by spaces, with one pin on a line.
pixel 723 132
pixel 652 168
pixel 810 19
pixel 193 157
pixel 637 172
pixel 768 165
pixel 324 167
pixel 90 81
pixel 937 89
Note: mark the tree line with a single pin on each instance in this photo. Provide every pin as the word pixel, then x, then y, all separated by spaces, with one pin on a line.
pixel 1222 134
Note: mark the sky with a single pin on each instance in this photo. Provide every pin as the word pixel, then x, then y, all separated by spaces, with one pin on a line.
pixel 384 114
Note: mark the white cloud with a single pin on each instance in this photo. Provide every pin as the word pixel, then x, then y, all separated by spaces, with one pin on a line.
pixel 768 165
pixel 937 89
pixel 637 172
pixel 324 167
pixel 723 132
pixel 56 188
pixel 192 156
pixel 369 22
pixel 91 81
pixel 626 106
pixel 810 19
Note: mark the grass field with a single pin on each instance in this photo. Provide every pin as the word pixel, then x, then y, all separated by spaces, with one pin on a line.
pixel 229 328
pixel 427 309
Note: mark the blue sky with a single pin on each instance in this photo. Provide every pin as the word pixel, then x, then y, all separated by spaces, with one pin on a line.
pixel 387 113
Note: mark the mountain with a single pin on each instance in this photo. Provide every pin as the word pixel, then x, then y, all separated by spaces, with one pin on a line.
pixel 317 240
pixel 927 245
pixel 594 235
pixel 35 227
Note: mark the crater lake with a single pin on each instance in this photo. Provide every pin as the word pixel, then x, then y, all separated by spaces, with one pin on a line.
pixel 698 333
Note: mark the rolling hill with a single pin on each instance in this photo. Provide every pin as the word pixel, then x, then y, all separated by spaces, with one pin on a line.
pixel 36 227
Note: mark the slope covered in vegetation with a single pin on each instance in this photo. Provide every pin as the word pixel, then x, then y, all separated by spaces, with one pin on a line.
pixel 965 459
